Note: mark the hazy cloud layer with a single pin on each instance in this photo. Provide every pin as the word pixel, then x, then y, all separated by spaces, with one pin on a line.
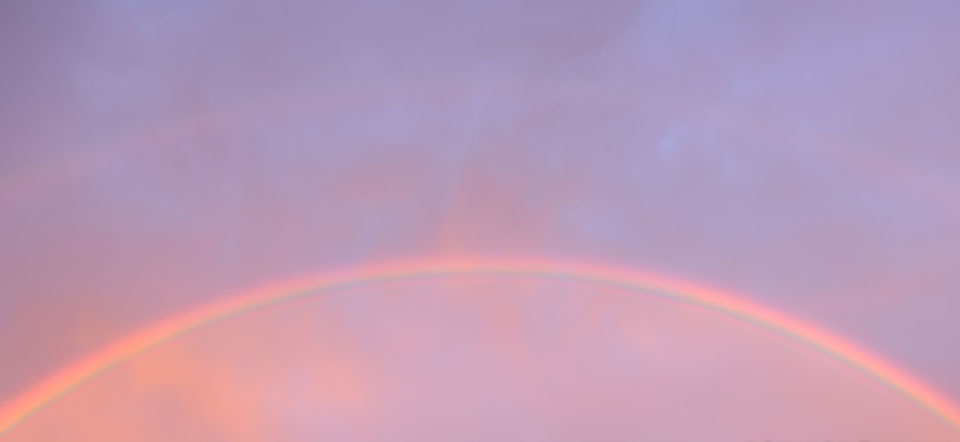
pixel 157 155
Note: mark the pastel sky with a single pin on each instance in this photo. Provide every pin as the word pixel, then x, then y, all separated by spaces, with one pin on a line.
pixel 158 156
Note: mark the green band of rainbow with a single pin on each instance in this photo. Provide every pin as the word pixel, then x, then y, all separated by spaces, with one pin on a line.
pixel 27 404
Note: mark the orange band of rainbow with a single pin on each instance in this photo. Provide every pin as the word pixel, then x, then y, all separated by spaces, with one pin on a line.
pixel 26 405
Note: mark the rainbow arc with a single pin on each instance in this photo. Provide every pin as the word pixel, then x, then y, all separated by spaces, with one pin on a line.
pixel 48 391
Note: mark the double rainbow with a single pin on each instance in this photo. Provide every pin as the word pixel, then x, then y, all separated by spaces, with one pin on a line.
pixel 48 391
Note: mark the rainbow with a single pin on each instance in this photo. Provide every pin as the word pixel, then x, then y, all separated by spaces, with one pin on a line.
pixel 58 385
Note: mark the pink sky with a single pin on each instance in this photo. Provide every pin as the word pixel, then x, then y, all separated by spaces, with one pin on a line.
pixel 157 156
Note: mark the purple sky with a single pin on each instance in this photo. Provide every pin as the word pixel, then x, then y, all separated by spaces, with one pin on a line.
pixel 155 156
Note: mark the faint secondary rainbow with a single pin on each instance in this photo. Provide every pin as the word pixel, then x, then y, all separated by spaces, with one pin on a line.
pixel 49 390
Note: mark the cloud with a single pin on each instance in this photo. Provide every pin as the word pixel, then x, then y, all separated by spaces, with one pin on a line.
pixel 157 156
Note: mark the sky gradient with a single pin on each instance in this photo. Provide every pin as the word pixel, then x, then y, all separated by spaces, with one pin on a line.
pixel 158 156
